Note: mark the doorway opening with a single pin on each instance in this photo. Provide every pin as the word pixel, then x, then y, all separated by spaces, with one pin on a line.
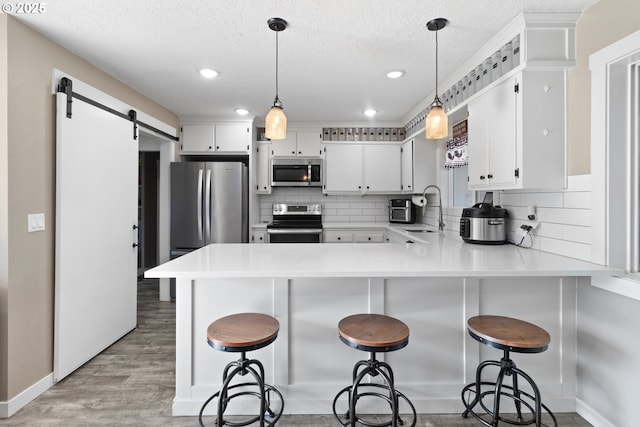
pixel 148 208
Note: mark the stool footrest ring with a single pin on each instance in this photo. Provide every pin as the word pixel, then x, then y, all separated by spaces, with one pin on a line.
pixel 267 416
pixel 477 392
pixel 385 391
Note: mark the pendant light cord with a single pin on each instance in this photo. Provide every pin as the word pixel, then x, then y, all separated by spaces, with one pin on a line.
pixel 436 63
pixel 277 65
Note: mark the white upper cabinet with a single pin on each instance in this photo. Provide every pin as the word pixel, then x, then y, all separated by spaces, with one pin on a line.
pixel 233 137
pixel 406 179
pixel 197 138
pixel 493 139
pixel 284 147
pixel 263 169
pixel 362 169
pixel 309 143
pixel 342 168
pixel 298 143
pixel 517 133
pixel 212 138
pixel 382 170
pixel 418 164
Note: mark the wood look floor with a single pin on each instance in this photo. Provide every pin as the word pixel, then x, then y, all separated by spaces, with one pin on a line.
pixel 132 384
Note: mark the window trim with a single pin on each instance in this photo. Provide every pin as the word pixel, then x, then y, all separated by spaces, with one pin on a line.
pixel 614 70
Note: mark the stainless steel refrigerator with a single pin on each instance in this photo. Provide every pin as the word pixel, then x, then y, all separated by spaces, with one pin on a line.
pixel 209 204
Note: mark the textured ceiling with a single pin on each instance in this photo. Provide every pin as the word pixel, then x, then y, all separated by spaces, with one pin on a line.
pixel 333 56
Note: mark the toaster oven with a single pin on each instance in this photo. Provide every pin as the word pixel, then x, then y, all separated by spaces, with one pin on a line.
pixel 402 211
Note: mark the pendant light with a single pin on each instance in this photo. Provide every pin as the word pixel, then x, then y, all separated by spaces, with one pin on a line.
pixel 437 126
pixel 276 122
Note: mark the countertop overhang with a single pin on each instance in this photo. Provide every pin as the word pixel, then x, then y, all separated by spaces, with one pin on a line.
pixel 441 254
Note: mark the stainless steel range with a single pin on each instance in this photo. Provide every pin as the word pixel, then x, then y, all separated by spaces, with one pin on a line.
pixel 295 224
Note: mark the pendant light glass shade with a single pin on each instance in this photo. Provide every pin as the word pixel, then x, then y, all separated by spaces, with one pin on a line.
pixel 276 122
pixel 437 124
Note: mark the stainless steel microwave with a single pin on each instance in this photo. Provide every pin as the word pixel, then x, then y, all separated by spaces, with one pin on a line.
pixel 296 172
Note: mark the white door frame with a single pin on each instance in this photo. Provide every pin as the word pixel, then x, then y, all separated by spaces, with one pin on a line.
pixel 150 141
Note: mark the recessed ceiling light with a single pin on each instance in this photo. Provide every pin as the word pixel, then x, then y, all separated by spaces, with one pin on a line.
pixel 242 111
pixel 370 113
pixel 395 74
pixel 208 73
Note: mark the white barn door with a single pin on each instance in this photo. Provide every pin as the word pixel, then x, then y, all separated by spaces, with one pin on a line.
pixel 96 210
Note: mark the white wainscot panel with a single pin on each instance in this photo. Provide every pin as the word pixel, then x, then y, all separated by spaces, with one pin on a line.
pixel 213 299
pixel 432 365
pixel 317 356
pixel 551 304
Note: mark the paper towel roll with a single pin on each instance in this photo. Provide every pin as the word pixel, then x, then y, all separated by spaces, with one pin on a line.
pixel 418 200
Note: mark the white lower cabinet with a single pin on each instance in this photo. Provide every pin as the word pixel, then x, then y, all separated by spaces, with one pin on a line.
pixel 354 235
pixel 338 236
pixel 362 168
pixel 369 237
pixel 258 235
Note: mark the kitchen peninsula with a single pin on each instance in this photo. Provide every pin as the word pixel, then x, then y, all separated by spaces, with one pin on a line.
pixel 433 286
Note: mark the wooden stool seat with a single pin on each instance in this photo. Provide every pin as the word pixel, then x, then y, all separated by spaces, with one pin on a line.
pixel 508 333
pixel 373 332
pixel 242 332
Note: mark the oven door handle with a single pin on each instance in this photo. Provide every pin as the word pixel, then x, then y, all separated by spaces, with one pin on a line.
pixel 294 230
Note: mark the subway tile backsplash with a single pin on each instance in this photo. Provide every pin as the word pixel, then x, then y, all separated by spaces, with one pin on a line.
pixel 564 215
pixel 565 218
pixel 369 208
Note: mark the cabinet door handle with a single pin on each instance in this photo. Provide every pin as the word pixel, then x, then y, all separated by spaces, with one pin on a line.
pixel 339 238
pixel 490 176
pixel 481 177
pixel 293 152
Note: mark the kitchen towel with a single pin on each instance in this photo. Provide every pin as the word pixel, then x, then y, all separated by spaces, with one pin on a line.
pixel 457 147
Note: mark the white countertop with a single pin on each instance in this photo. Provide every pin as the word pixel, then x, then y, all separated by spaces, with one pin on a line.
pixel 440 254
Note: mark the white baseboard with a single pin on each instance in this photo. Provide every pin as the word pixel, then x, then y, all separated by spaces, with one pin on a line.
pixel 594 418
pixel 12 406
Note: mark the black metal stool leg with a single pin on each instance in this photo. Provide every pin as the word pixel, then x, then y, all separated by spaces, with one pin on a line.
pixel 533 404
pixel 373 367
pixel 243 367
pixel 477 385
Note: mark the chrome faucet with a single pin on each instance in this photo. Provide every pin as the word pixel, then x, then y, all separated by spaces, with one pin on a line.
pixel 424 196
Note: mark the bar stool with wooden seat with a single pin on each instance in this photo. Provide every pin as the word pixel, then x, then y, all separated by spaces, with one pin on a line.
pixel 373 333
pixel 509 335
pixel 240 333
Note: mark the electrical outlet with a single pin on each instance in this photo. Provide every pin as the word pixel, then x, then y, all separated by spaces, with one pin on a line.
pixel 524 229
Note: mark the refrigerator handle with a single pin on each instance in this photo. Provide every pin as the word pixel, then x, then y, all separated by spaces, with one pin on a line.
pixel 207 206
pixel 199 205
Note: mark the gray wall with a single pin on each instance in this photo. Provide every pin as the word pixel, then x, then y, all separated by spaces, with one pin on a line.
pixel 27 185
pixel 608 347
